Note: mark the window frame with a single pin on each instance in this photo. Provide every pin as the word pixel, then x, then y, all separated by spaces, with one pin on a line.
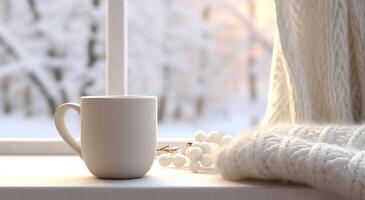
pixel 56 146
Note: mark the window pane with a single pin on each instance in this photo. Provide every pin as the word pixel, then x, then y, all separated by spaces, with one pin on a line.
pixel 207 61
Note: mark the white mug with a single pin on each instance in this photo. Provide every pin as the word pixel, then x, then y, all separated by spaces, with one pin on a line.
pixel 118 134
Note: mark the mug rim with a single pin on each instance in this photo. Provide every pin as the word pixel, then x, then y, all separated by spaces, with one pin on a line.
pixel 119 97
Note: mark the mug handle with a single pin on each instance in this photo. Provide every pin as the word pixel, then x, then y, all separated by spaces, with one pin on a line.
pixel 59 118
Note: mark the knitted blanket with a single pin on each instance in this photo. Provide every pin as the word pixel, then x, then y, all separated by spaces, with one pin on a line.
pixel 317 77
pixel 330 158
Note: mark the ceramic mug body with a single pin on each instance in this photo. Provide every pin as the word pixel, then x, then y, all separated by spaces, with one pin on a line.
pixel 118 134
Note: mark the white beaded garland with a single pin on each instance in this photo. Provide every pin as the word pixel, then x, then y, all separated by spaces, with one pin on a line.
pixel 164 159
pixel 202 151
pixel 214 137
pixel 194 166
pixel 195 153
pixel 200 136
pixel 226 140
pixel 206 147
pixel 178 160
pixel 207 160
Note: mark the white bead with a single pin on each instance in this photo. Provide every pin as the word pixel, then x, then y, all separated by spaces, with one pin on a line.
pixel 207 160
pixel 226 140
pixel 196 153
pixel 195 144
pixel 214 137
pixel 200 136
pixel 194 166
pixel 178 160
pixel 164 159
pixel 206 147
pixel 215 147
pixel 187 152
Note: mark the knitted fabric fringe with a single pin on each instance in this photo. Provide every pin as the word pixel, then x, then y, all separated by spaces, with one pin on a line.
pixel 329 158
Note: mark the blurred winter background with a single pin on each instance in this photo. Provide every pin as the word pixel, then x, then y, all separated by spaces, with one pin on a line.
pixel 208 61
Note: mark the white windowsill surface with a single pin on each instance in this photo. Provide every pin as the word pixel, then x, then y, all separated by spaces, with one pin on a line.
pixel 66 177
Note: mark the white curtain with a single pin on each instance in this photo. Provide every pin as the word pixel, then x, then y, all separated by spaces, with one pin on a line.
pixel 318 69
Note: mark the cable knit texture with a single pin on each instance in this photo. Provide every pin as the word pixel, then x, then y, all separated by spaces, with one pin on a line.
pixel 312 132
pixel 318 62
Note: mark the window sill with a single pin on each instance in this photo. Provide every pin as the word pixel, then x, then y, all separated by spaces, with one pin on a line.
pixel 66 177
